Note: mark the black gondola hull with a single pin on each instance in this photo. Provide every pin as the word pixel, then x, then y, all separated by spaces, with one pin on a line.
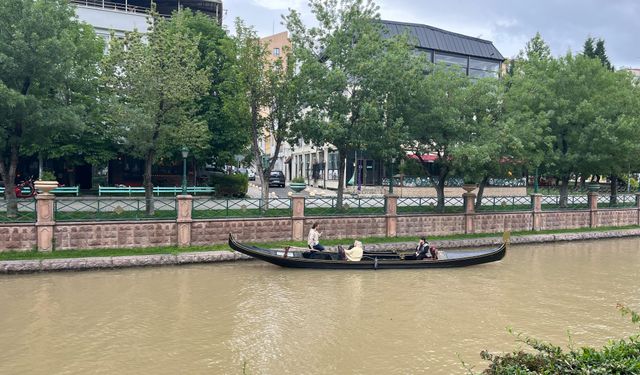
pixel 369 262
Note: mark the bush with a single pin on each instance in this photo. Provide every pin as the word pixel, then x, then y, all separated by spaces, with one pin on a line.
pixel 234 185
pixel 617 357
pixel 299 180
pixel 48 176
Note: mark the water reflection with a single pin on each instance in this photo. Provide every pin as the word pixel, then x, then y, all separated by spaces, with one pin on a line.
pixel 214 319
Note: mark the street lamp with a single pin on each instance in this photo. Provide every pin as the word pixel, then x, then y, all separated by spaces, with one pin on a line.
pixel 185 154
pixel 393 160
pixel 535 183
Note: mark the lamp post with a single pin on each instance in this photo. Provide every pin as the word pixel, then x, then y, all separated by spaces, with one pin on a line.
pixel 535 183
pixel 185 154
pixel 393 160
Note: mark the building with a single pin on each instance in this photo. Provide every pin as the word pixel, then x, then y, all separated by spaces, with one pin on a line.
pixel 477 57
pixel 122 16
pixel 635 72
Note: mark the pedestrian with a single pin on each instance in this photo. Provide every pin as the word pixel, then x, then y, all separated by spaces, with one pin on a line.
pixel 313 241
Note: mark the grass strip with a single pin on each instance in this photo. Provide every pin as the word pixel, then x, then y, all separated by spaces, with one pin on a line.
pixel 31 255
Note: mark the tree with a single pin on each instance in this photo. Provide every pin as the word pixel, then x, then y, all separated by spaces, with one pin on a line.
pixel 48 73
pixel 350 100
pixel 595 49
pixel 155 81
pixel 228 138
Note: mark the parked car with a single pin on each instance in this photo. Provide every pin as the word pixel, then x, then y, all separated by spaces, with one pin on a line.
pixel 251 174
pixel 277 179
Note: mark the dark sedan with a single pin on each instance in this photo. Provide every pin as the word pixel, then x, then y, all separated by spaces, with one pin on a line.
pixel 276 178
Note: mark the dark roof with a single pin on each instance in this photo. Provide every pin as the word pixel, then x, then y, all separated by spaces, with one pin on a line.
pixel 430 37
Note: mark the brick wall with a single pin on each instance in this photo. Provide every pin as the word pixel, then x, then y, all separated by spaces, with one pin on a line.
pixel 435 225
pixel 206 232
pixel 499 222
pixel 617 218
pixel 114 234
pixel 17 237
pixel 565 220
pixel 348 227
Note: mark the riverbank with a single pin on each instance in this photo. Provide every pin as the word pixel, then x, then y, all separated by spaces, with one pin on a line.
pixel 77 260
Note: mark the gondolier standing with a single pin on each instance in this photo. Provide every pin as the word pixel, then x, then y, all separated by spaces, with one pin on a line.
pixel 314 238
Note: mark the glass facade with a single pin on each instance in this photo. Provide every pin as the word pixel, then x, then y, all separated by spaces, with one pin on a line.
pixel 480 68
pixel 451 60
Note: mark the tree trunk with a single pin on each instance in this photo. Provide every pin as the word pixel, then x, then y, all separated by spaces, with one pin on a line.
pixel 148 185
pixel 440 193
pixel 9 178
pixel 483 183
pixel 341 172
pixel 564 190
pixel 613 198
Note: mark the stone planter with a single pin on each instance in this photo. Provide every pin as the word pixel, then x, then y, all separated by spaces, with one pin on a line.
pixel 593 187
pixel 45 186
pixel 297 186
pixel 469 187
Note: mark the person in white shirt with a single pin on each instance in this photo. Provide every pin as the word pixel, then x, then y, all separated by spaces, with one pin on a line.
pixel 314 238
pixel 354 254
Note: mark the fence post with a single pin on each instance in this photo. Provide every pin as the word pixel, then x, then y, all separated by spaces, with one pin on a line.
pixel 45 221
pixel 593 208
pixel 297 218
pixel 391 214
pixel 184 220
pixel 536 200
pixel 469 212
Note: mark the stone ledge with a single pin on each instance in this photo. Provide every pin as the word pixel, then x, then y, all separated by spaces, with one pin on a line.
pixel 94 263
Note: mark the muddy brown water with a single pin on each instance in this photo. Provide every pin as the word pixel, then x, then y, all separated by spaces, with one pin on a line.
pixel 261 319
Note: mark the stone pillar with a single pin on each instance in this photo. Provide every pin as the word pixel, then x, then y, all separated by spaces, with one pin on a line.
pixel 638 206
pixel 593 209
pixel 469 212
pixel 391 214
pixel 184 219
pixel 536 202
pixel 297 217
pixel 45 221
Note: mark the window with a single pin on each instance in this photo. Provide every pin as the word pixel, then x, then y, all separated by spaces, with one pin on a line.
pixel 479 68
pixel 276 51
pixel 451 60
pixel 423 52
pixel 333 167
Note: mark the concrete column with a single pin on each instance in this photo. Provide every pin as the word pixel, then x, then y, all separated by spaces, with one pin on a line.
pixel 297 217
pixel 638 206
pixel 391 214
pixel 593 209
pixel 536 200
pixel 45 221
pixel 469 212
pixel 184 219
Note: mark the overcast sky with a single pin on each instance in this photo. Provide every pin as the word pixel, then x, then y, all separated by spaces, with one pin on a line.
pixel 564 24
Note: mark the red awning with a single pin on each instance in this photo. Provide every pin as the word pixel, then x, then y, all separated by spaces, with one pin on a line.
pixel 428 158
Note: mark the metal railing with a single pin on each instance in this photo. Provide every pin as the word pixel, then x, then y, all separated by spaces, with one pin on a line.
pixel 105 209
pixel 18 210
pixel 574 202
pixel 328 206
pixel 506 203
pixel 242 207
pixel 429 205
pixel 111 5
pixel 622 200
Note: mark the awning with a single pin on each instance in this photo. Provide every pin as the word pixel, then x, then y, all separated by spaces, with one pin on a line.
pixel 427 158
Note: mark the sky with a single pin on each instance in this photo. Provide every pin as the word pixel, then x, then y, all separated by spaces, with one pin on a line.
pixel 509 24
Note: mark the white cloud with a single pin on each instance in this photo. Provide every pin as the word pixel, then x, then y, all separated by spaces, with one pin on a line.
pixel 279 4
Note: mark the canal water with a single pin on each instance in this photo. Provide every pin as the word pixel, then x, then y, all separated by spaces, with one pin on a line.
pixel 261 319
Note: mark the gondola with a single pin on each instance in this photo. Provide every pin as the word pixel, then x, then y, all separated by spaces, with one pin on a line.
pixel 295 258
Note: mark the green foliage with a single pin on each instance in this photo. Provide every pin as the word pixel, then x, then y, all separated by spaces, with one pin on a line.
pixel 299 180
pixel 617 357
pixel 233 185
pixel 47 176
pixel 48 73
pixel 412 167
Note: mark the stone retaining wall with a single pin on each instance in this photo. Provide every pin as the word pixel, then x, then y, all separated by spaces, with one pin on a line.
pixel 47 234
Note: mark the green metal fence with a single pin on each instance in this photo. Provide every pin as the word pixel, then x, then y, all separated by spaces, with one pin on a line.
pixel 507 203
pixel 621 201
pixel 429 205
pixel 18 211
pixel 99 209
pixel 328 206
pixel 249 207
pixel 574 202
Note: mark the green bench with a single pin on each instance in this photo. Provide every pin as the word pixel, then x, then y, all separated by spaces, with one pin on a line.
pixel 157 190
pixel 59 190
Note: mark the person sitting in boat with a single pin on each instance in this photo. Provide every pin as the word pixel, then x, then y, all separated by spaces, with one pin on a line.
pixel 354 253
pixel 313 241
pixel 422 250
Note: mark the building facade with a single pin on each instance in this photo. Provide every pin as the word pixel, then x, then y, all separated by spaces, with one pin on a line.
pixel 476 57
